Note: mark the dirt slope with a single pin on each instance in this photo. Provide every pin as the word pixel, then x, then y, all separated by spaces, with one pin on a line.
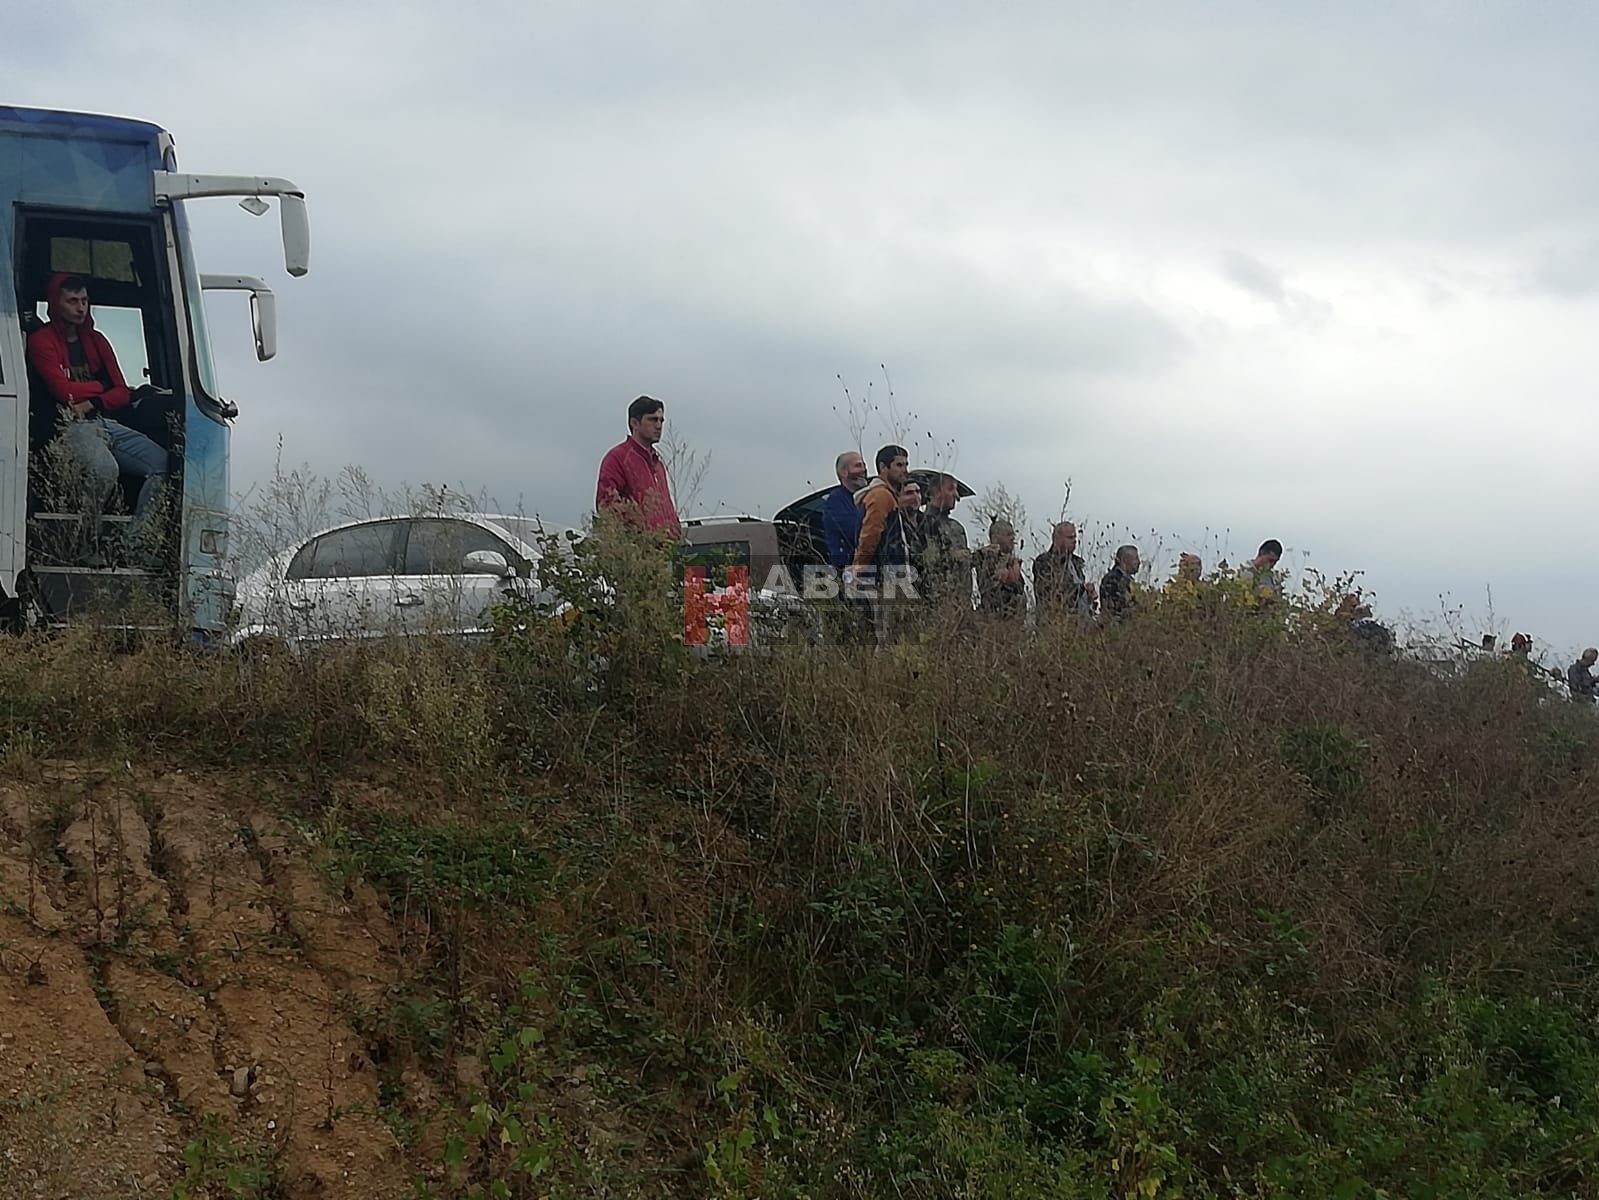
pixel 168 951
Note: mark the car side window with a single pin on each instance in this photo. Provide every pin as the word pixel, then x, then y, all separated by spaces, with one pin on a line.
pixel 300 564
pixel 359 550
pixel 439 547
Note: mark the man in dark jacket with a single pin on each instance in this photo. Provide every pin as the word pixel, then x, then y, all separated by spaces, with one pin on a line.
pixel 1000 590
pixel 1579 677
pixel 1116 595
pixel 1060 581
pixel 946 556
pixel 76 365
pixel 841 520
pixel 915 527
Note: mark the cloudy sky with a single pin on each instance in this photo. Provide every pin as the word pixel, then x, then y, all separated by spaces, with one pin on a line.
pixel 1233 270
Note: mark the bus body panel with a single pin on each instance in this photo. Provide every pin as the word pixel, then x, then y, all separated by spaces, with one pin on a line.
pixel 102 164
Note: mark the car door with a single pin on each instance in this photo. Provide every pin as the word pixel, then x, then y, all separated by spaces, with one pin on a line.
pixel 440 594
pixel 341 584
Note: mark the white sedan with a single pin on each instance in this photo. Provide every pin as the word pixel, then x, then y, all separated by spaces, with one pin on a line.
pixel 392 575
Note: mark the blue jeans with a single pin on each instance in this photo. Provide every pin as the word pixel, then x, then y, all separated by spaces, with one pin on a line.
pixel 106 450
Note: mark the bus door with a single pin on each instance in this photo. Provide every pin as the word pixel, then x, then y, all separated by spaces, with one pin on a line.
pixel 130 295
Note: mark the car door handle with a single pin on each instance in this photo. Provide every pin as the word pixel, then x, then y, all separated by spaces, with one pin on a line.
pixel 407 601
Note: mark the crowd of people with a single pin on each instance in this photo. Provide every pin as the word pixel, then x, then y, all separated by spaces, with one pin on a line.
pixel 1581 682
pixel 881 529
pixel 891 545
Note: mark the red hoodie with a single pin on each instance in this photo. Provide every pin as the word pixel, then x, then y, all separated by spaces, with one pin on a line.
pixel 49 356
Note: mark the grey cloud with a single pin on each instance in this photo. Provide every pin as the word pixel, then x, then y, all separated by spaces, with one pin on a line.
pixel 1571 270
pixel 1256 277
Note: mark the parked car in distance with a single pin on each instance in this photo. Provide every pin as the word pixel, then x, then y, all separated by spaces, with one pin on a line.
pixel 391 576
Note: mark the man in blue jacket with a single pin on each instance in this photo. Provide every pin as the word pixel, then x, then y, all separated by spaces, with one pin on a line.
pixel 841 519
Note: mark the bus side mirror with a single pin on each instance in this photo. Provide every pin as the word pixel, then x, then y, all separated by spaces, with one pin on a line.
pixel 263 308
pixel 296 224
pixel 264 323
pixel 292 215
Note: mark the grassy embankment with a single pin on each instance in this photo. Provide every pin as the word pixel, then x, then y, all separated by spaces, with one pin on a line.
pixel 1206 904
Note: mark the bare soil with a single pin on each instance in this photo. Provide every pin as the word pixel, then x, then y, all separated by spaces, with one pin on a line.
pixel 168 950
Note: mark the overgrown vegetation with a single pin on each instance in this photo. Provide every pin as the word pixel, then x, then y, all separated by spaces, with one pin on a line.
pixel 1210 903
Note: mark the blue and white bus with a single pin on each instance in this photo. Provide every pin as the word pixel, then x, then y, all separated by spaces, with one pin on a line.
pixel 102 198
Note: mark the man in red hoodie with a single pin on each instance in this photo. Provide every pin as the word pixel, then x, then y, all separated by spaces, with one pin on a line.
pixel 78 368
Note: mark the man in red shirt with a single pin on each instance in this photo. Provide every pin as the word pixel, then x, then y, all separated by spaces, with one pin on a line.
pixel 633 477
pixel 76 365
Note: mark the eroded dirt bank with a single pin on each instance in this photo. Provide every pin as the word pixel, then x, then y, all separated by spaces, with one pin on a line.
pixel 174 972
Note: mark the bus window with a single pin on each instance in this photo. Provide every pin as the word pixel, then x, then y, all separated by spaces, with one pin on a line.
pixel 124 329
pixel 93 258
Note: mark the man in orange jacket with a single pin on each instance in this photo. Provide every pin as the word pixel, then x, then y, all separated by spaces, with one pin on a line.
pixel 882 559
pixel 881 543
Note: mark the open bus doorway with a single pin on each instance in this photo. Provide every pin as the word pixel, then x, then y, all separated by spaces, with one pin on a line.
pixel 122 262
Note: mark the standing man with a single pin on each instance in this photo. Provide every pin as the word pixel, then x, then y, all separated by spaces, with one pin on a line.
pixel 1579 677
pixel 1265 583
pixel 1116 589
pixel 79 370
pixel 1184 587
pixel 841 520
pixel 633 477
pixel 910 516
pixel 1060 580
pixel 1000 590
pixel 881 561
pixel 881 544
pixel 947 561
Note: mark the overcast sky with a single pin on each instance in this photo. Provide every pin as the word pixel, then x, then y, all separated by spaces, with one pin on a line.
pixel 1328 274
